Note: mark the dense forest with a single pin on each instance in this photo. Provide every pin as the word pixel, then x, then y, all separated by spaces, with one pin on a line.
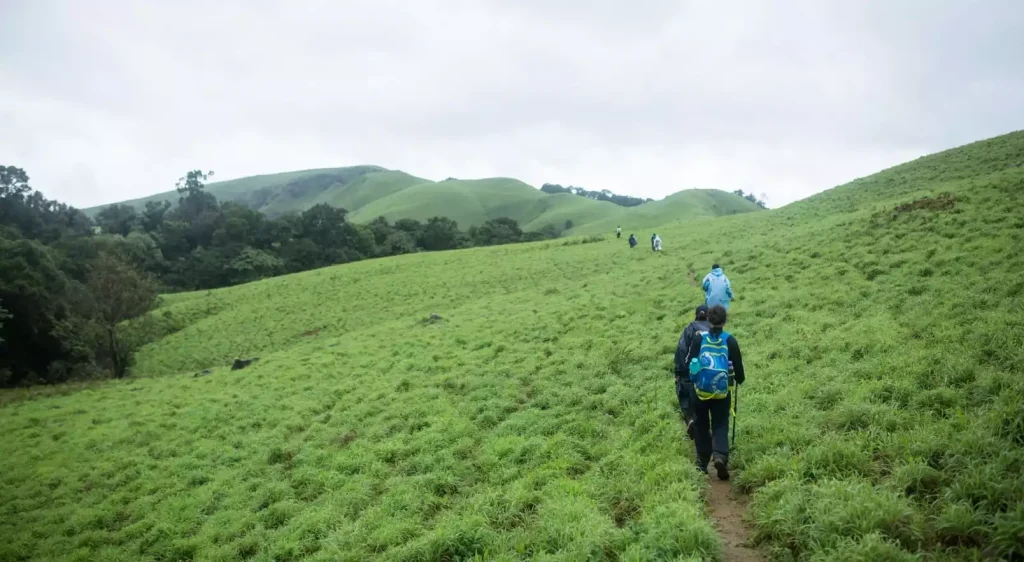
pixel 74 292
pixel 603 195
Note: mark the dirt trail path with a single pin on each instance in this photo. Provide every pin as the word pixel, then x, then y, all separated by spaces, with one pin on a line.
pixel 727 508
pixel 692 274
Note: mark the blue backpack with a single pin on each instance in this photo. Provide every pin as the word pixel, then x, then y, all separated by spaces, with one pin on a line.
pixel 712 377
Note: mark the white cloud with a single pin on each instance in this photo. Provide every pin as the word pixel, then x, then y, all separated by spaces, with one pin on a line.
pixel 106 100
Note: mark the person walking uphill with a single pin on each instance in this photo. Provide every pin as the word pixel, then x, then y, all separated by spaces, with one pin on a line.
pixel 717 290
pixel 684 388
pixel 618 232
pixel 632 241
pixel 709 357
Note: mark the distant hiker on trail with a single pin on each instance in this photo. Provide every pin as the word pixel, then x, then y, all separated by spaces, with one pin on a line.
pixel 653 236
pixel 657 243
pixel 618 232
pixel 717 290
pixel 684 388
pixel 709 361
pixel 632 241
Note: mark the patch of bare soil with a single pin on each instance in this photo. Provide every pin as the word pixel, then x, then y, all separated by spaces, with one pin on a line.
pixel 727 507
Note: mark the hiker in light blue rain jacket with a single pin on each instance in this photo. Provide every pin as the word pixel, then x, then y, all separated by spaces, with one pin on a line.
pixel 716 288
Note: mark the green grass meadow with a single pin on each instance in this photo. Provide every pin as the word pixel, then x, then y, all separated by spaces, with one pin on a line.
pixel 882 326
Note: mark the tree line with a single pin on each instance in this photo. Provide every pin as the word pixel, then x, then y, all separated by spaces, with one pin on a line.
pixel 74 291
pixel 603 195
pixel 752 198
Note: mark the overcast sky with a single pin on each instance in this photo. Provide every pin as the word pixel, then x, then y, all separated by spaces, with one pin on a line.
pixel 103 100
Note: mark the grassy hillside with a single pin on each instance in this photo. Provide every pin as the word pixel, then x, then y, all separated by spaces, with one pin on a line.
pixel 276 194
pixel 680 206
pixel 369 192
pixel 882 324
pixel 468 202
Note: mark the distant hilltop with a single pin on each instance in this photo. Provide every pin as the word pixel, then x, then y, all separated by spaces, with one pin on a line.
pixel 368 192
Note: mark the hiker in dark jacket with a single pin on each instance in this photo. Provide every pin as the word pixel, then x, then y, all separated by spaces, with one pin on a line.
pixel 632 241
pixel 684 388
pixel 711 417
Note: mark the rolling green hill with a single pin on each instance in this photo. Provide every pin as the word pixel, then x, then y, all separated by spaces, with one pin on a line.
pixel 882 326
pixel 369 192
pixel 680 206
pixel 468 202
pixel 276 194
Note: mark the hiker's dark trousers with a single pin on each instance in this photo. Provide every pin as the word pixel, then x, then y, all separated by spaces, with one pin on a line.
pixel 687 396
pixel 712 429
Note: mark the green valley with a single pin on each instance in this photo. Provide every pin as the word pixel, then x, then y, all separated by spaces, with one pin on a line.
pixel 516 402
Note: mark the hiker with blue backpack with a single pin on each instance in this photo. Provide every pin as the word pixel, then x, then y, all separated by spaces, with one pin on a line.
pixel 715 367
pixel 684 387
pixel 717 290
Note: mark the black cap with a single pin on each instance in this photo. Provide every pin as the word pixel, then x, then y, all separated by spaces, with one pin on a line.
pixel 716 266
pixel 702 309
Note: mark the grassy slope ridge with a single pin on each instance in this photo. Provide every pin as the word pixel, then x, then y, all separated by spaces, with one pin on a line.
pixel 284 192
pixel 468 202
pixel 882 418
pixel 369 191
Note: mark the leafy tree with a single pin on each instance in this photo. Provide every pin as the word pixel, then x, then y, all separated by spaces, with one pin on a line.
pixel 33 215
pixel 119 293
pixel 173 240
pixel 324 224
pixel 192 183
pixel 363 245
pixel 35 292
pixel 117 219
pixel 301 254
pixel 241 226
pixel 440 233
pixel 412 226
pixel 194 201
pixel 13 182
pixel 137 249
pixel 546 232
pixel 498 231
pixel 284 228
pixel 397 243
pixel 752 198
pixel 338 240
pixel 381 229
pixel 552 188
pixel 4 315
pixel 252 264
pixel 153 215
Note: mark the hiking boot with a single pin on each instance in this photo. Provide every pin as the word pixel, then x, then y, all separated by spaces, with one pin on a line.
pixel 702 469
pixel 691 431
pixel 722 468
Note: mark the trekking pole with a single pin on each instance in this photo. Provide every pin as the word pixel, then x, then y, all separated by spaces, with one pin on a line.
pixel 735 406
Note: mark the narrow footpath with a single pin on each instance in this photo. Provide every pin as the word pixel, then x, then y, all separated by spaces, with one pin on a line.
pixel 726 508
pixel 692 274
